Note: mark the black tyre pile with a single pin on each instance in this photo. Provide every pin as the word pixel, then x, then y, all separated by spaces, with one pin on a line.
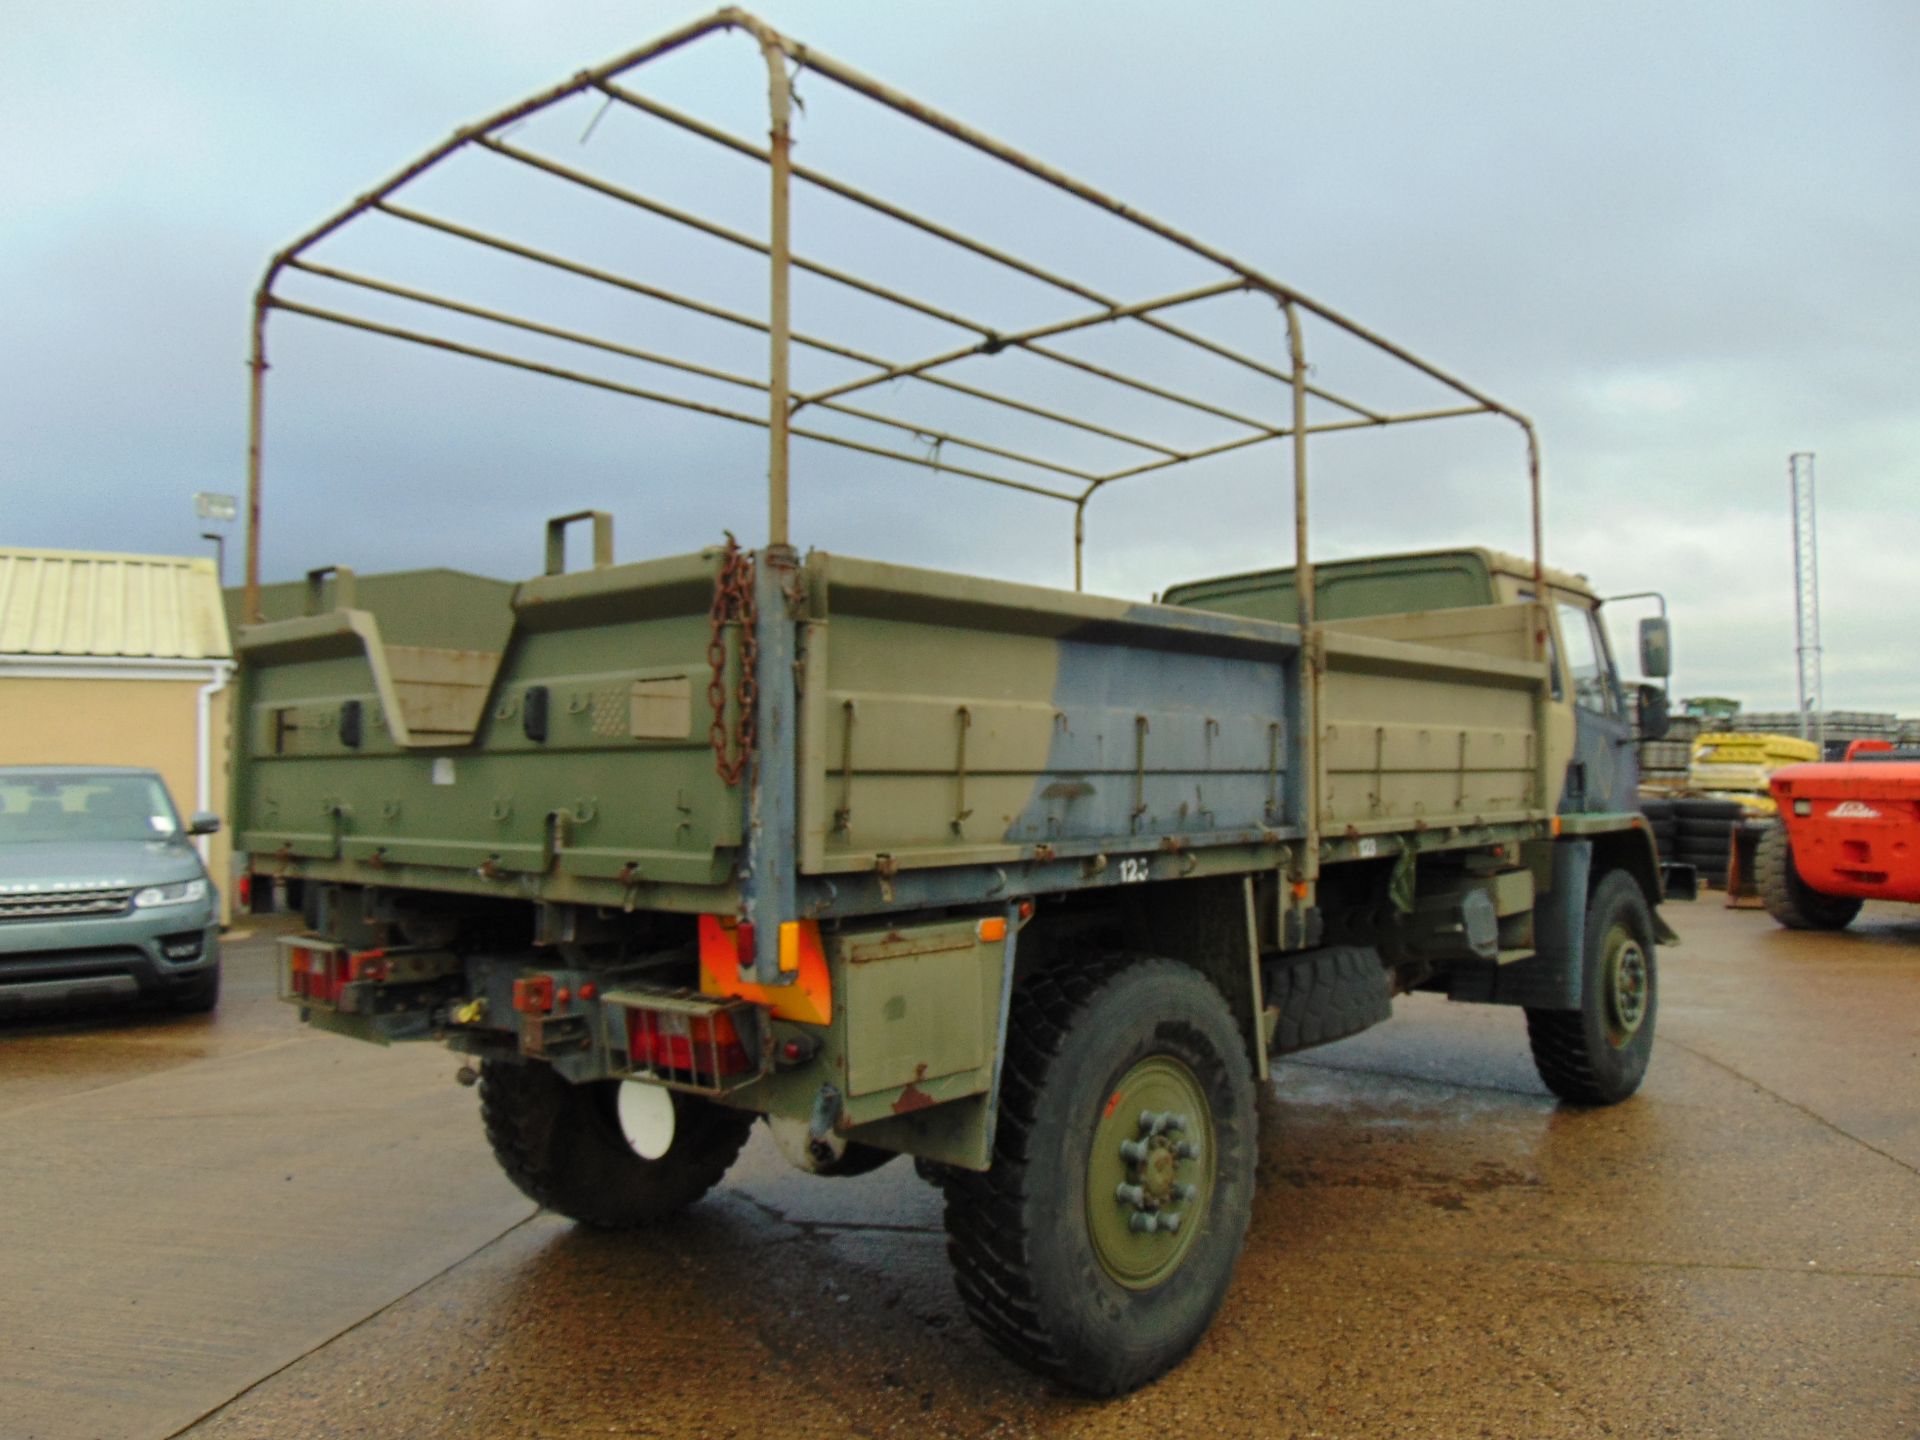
pixel 1697 832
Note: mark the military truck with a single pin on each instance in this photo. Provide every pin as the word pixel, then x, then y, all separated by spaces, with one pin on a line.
pixel 1029 884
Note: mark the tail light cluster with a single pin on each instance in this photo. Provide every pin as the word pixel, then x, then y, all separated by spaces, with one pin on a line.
pixel 692 1045
pixel 317 973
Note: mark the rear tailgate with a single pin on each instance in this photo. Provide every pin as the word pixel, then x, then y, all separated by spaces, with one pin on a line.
pixel 572 765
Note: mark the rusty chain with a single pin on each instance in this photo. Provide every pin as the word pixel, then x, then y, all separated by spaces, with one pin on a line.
pixel 732 603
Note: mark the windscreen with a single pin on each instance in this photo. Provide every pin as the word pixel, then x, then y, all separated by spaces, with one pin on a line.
pixel 80 806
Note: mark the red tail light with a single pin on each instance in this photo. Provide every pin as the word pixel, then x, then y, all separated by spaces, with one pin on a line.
pixel 316 974
pixel 320 974
pixel 695 1049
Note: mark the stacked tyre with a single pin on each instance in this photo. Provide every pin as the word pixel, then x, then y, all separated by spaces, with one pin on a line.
pixel 1661 822
pixel 1703 836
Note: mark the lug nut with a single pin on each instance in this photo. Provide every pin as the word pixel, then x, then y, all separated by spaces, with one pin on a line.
pixel 1169 1223
pixel 1131 1195
pixel 1186 1191
pixel 1134 1151
pixel 1143 1223
pixel 1186 1150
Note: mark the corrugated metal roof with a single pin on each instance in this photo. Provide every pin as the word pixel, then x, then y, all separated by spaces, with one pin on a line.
pixel 74 602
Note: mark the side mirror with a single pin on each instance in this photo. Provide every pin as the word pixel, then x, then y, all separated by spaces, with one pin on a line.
pixel 1653 713
pixel 1656 648
pixel 203 822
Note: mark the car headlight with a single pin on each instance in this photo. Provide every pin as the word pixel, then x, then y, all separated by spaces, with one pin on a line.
pixel 181 892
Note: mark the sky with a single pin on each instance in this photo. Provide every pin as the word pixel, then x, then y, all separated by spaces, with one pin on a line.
pixel 1681 238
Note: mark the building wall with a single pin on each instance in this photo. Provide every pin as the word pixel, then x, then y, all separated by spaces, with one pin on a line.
pixel 124 722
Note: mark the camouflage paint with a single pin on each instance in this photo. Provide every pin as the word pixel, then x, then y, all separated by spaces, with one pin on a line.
pixel 946 722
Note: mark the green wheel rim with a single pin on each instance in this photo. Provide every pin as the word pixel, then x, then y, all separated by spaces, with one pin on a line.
pixel 1150 1175
pixel 1628 980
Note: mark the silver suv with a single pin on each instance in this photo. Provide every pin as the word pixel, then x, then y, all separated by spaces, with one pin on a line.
pixel 102 893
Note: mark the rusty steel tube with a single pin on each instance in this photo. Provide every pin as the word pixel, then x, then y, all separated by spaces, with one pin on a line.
pixel 671 41
pixel 991 341
pixel 654 357
pixel 903 104
pixel 750 322
pixel 779 300
pixel 733 237
pixel 256 404
pixel 777 51
pixel 881 206
pixel 1325 427
pixel 600 382
pixel 994 342
pixel 1312 652
pixel 1080 537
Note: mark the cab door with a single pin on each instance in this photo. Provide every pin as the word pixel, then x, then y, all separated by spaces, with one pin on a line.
pixel 1603 776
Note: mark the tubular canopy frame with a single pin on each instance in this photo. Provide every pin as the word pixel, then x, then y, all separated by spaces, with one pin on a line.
pixel 1037 473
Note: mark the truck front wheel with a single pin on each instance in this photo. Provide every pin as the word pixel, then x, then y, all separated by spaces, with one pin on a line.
pixel 1790 900
pixel 1597 1055
pixel 565 1146
pixel 1100 1245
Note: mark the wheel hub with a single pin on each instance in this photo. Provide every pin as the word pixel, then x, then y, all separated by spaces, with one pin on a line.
pixel 1150 1173
pixel 1627 986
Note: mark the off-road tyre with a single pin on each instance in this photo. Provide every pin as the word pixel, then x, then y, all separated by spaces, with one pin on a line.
pixel 1701 808
pixel 562 1145
pixel 1789 899
pixel 1326 995
pixel 1021 1235
pixel 1590 1056
pixel 1714 830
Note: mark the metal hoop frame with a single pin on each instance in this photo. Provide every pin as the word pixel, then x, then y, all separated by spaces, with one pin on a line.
pixel 1035 473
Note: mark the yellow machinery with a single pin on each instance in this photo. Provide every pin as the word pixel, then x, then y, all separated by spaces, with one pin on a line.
pixel 1735 765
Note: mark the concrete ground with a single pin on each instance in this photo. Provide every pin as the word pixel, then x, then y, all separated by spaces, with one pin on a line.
pixel 229 1227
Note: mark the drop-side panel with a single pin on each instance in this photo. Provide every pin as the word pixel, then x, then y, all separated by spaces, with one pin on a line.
pixel 1430 718
pixel 970 721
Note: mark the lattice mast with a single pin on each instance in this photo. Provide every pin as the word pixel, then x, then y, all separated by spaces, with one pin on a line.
pixel 1806 596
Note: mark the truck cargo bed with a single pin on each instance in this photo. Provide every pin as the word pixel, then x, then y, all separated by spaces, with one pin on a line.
pixel 945 722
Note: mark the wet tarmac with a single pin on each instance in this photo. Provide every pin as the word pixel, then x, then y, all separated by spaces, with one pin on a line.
pixel 233 1228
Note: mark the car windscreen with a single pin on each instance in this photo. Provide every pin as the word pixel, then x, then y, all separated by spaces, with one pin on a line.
pixel 41 808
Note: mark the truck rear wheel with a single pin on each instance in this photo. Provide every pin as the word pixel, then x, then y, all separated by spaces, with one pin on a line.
pixel 1099 1247
pixel 1597 1055
pixel 1790 900
pixel 564 1146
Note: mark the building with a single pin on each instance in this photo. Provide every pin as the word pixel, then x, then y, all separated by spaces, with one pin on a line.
pixel 119 660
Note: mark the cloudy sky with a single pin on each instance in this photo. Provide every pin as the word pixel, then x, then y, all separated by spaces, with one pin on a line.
pixel 1681 237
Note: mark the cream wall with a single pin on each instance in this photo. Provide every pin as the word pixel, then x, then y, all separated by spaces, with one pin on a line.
pixel 151 723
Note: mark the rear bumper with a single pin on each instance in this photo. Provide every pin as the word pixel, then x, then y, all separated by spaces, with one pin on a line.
pixel 1854 827
pixel 152 954
pixel 1873 860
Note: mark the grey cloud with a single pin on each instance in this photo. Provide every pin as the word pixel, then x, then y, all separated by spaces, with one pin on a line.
pixel 1679 237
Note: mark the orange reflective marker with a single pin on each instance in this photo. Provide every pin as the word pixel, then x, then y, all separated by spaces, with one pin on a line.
pixel 993 928
pixel 726 946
